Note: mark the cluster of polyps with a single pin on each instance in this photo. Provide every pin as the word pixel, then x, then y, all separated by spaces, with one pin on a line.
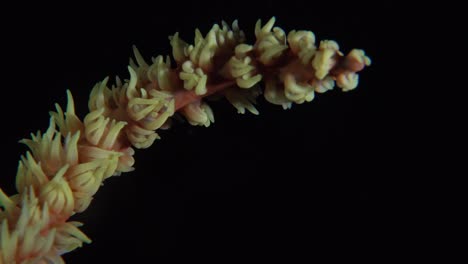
pixel 66 165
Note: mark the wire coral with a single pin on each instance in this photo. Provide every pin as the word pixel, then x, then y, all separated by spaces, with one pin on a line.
pixel 67 164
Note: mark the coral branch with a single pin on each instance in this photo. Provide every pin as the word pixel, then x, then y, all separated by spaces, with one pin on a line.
pixel 66 165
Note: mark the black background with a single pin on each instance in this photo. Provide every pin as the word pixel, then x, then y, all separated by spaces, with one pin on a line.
pixel 324 178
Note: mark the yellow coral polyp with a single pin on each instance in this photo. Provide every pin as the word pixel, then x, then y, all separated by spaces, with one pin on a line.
pixel 271 42
pixel 67 164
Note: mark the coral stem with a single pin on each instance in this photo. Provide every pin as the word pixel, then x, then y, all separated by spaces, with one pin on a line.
pixel 185 97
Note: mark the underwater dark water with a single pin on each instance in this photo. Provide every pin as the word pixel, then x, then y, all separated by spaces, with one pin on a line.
pixel 319 179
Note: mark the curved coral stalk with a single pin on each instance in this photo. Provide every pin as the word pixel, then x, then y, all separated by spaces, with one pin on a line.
pixel 67 164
